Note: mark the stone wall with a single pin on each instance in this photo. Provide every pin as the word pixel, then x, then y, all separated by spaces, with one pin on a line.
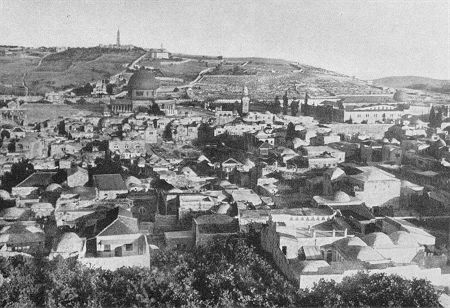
pixel 270 242
pixel 374 131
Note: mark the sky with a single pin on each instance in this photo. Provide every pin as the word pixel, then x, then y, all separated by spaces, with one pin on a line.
pixel 366 39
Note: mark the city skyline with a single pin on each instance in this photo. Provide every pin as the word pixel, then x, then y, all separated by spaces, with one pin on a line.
pixel 380 39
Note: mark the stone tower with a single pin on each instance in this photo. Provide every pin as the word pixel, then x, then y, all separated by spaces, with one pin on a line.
pixel 118 38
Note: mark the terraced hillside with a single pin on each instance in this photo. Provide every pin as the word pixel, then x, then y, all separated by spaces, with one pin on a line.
pixel 268 77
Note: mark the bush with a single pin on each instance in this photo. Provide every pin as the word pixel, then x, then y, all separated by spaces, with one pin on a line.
pixel 230 273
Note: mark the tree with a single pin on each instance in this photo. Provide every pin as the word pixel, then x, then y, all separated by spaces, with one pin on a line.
pixel 110 88
pixel 285 103
pixel 19 172
pixel 438 119
pixel 290 132
pixel 294 107
pixel 364 290
pixel 167 133
pixel 432 118
pixel 306 106
pixel 5 134
pixel 62 128
pixel 275 107
pixel 155 110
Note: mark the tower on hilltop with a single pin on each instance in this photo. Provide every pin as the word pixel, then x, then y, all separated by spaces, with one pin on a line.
pixel 118 38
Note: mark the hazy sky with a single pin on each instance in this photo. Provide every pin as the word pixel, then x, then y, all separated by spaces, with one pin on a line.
pixel 368 39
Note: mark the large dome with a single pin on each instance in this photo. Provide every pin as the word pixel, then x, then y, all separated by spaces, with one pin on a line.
pixel 400 96
pixel 143 80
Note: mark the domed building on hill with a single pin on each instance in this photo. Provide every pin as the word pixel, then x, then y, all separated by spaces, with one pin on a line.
pixel 142 85
pixel 142 93
pixel 400 96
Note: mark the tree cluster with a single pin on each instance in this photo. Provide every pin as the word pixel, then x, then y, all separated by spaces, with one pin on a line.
pixel 229 273
pixel 19 172
pixel 435 117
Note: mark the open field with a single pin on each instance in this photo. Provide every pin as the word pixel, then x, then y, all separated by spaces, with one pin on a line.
pixel 39 112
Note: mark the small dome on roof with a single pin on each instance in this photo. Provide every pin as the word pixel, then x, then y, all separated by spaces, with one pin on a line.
pixel 400 96
pixel 313 266
pixel 4 195
pixel 224 183
pixel 68 242
pixel 223 208
pixel 350 241
pixel 378 240
pixel 53 187
pixel 341 196
pixel 132 180
pixel 367 254
pixel 404 239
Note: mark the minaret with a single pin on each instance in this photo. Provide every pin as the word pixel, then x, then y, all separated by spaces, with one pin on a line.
pixel 118 38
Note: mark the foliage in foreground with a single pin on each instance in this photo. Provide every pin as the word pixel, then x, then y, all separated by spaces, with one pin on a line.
pixel 230 273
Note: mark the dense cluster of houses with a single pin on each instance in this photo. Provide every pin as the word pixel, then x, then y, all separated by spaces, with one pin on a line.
pixel 328 199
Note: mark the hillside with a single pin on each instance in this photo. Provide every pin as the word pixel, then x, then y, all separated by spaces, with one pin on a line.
pixel 266 78
pixel 210 77
pixel 47 72
pixel 415 82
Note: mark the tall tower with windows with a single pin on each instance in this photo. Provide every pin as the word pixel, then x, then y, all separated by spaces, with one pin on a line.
pixel 118 38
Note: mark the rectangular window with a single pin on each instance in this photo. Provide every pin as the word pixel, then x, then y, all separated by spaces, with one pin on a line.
pixel 129 247
pixel 107 247
pixel 139 93
pixel 284 250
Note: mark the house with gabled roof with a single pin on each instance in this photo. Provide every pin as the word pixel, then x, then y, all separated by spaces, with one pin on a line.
pixel 230 164
pixel 109 186
pixel 113 233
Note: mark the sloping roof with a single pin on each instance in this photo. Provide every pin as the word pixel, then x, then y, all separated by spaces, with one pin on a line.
pixel 373 174
pixel 116 221
pixel 122 225
pixel 18 233
pixel 38 179
pixel 109 182
pixel 213 219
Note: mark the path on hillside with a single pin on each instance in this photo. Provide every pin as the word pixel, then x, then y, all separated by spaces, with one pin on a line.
pixel 24 76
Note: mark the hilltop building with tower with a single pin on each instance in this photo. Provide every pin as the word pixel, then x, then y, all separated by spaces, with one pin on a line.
pixel 117 45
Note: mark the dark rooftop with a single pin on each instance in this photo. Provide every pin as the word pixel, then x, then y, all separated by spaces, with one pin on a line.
pixel 109 182
pixel 38 179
